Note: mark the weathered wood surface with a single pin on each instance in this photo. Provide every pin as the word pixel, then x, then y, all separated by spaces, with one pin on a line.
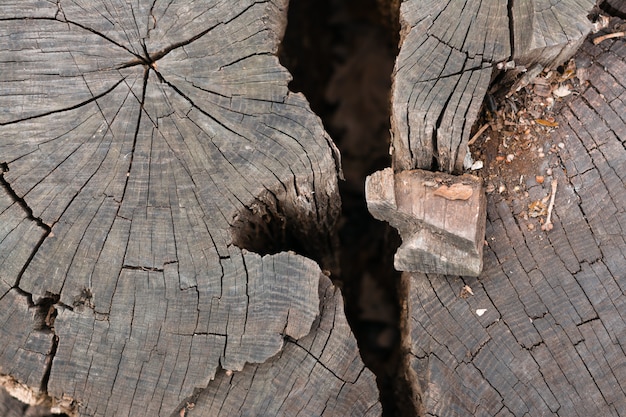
pixel 449 55
pixel 449 50
pixel 440 217
pixel 322 362
pixel 552 337
pixel 142 143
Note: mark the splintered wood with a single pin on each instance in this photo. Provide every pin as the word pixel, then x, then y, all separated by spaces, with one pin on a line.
pixel 440 217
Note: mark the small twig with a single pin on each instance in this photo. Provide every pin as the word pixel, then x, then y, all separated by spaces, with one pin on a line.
pixel 547 226
pixel 608 36
pixel 477 135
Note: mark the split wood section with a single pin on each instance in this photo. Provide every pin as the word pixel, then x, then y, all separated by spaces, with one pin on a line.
pixel 449 51
pixel 541 330
pixel 440 217
pixel 141 143
pixel 551 338
pixel 441 76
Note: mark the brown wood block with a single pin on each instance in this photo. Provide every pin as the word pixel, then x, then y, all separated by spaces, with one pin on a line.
pixel 440 217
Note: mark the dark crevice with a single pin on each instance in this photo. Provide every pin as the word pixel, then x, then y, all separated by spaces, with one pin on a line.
pixel 511 26
pixel 137 127
pixel 43 321
pixel 614 7
pixel 46 312
pixel 273 223
pixel 49 358
pixel 341 54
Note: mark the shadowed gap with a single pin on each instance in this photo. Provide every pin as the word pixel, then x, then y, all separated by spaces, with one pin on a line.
pixel 341 54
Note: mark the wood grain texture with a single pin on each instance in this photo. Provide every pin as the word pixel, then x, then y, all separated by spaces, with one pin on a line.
pixel 327 357
pixel 136 136
pixel 448 53
pixel 552 337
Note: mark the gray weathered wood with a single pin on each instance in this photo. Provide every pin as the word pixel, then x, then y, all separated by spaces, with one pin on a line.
pixel 448 53
pixel 552 337
pixel 326 358
pixel 141 143
pixel 440 218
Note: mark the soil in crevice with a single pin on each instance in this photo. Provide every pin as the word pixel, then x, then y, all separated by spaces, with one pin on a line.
pixel 341 54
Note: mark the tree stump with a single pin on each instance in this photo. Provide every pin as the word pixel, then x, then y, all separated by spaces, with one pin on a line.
pixel 156 174
pixel 543 331
pixel 441 77
pixel 145 146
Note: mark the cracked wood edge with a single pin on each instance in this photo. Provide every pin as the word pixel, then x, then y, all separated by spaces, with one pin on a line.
pixel 126 161
pixel 327 357
pixel 10 406
pixel 552 338
pixel 448 51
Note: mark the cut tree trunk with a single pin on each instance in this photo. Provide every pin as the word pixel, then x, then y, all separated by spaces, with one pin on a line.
pixel 450 52
pixel 155 171
pixel 144 147
pixel 544 332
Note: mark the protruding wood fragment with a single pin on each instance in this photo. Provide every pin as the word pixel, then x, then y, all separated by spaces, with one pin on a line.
pixel 440 217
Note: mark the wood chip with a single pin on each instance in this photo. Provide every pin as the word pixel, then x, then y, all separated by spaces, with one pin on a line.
pixel 542 90
pixel 456 191
pixel 477 135
pixel 477 165
pixel 547 123
pixel 562 91
pixel 466 291
pixel 608 36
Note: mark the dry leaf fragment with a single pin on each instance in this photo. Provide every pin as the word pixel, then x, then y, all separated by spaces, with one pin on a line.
pixel 456 191
pixel 537 208
pixel 562 91
pixel 547 123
